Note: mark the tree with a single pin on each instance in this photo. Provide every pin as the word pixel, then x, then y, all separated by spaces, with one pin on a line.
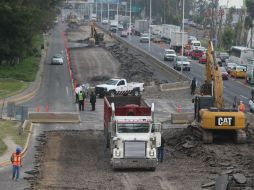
pixel 228 37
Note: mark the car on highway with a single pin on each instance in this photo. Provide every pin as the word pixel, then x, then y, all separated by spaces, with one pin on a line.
pixel 105 21
pixel 57 59
pixel 230 66
pixel 124 34
pixel 196 54
pixel 144 38
pixel 251 105
pixel 223 56
pixel 181 62
pixel 120 27
pixel 203 59
pixel 169 55
pixel 224 73
pixel 238 71
pixel 218 61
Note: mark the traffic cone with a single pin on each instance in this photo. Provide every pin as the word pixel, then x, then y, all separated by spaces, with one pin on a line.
pixel 47 108
pixel 178 108
pixel 38 108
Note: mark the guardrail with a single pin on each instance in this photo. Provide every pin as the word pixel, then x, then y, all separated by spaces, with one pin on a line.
pixel 54 117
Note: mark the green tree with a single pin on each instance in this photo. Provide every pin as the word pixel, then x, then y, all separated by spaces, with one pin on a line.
pixel 228 37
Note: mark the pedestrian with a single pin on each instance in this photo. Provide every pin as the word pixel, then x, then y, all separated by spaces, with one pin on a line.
pixel 235 102
pixel 252 93
pixel 16 164
pixel 93 100
pixel 81 99
pixel 77 90
pixel 193 86
pixel 161 150
pixel 241 106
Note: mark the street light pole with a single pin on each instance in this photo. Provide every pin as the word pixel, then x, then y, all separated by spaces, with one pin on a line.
pixel 117 16
pixel 130 29
pixel 108 11
pixel 96 9
pixel 182 39
pixel 150 21
pixel 101 10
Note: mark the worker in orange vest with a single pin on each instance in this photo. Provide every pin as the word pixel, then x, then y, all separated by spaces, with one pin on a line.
pixel 16 163
pixel 241 106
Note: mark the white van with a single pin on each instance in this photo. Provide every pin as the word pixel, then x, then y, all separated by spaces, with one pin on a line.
pixel 195 44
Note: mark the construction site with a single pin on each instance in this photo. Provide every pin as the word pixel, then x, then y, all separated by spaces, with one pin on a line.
pixel 76 157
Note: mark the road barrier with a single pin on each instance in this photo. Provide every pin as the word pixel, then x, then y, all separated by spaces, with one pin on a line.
pixel 174 86
pixel 182 118
pixel 54 117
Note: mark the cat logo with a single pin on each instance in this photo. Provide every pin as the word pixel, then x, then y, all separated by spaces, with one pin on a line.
pixel 224 121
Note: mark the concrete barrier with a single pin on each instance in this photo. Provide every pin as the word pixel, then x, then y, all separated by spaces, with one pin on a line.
pixel 54 117
pixel 182 118
pixel 174 86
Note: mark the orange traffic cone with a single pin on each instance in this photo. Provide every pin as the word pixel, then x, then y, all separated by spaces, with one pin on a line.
pixel 178 108
pixel 47 108
pixel 38 108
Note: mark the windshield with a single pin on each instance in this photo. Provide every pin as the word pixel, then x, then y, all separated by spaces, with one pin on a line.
pixel 196 44
pixel 180 58
pixel 170 52
pixel 144 36
pixel 57 56
pixel 133 127
pixel 111 82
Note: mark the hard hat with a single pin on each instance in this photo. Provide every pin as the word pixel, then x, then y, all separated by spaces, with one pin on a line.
pixel 18 149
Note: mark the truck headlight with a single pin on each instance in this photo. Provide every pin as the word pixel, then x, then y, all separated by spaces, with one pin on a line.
pixel 151 152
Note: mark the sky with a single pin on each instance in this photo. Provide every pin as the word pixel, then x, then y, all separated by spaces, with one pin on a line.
pixel 231 3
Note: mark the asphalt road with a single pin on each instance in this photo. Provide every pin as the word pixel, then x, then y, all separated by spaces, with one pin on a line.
pixel 56 92
pixel 232 87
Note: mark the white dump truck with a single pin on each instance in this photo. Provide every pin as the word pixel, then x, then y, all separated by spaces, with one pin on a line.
pixel 118 86
pixel 131 133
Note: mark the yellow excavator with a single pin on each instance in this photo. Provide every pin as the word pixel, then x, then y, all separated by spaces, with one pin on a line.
pixel 211 116
pixel 95 37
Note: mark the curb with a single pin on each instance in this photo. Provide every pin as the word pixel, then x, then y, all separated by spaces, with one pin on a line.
pixel 24 151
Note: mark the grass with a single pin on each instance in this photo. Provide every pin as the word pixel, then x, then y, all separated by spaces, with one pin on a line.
pixel 10 87
pixel 11 129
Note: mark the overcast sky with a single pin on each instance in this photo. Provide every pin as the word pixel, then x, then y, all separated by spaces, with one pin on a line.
pixel 231 3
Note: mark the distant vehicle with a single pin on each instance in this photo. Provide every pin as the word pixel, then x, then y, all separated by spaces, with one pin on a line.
pixel 113 25
pixel 224 73
pixel 120 27
pixel 141 26
pixel 218 61
pixel 195 44
pixel 167 31
pixel 250 71
pixel 240 55
pixel 93 17
pixel 238 71
pixel 251 105
pixel 230 66
pixel 169 55
pixel 156 39
pixel 105 21
pixel 57 59
pixel 144 38
pixel 191 38
pixel 181 62
pixel 203 59
pixel 196 54
pixel 223 56
pixel 124 33
pixel 178 38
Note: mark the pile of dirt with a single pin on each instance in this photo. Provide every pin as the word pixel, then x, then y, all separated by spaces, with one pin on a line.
pixel 132 67
pixel 221 157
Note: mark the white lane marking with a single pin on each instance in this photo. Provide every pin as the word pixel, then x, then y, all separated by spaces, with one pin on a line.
pixel 67 90
pixel 244 97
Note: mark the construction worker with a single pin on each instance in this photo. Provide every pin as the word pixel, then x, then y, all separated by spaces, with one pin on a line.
pixel 193 86
pixel 16 163
pixel 93 100
pixel 81 99
pixel 161 150
pixel 241 106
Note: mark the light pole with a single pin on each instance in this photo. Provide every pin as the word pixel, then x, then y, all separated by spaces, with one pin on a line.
pixel 150 21
pixel 130 29
pixel 182 39
pixel 96 8
pixel 108 11
pixel 101 10
pixel 117 16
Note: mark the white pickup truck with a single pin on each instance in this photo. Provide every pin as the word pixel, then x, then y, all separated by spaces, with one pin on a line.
pixel 118 86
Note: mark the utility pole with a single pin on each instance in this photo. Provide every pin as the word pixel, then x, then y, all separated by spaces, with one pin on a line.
pixel 108 11
pixel 150 22
pixel 130 28
pixel 182 39
pixel 117 16
pixel 101 10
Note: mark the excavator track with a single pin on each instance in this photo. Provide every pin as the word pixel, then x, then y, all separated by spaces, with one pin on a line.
pixel 207 136
pixel 240 136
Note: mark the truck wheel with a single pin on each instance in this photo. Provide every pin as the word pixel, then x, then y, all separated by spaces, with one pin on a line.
pixel 112 93
pixel 136 92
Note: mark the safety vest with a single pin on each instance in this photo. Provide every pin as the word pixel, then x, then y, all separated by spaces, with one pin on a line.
pixel 80 96
pixel 241 107
pixel 16 159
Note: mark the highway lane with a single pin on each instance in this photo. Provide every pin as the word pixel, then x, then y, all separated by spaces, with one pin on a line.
pixel 56 92
pixel 232 87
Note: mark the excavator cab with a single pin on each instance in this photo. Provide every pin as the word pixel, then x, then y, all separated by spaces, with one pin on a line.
pixel 95 38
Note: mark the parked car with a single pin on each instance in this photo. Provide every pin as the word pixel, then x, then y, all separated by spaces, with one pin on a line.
pixel 238 71
pixel 57 59
pixel 230 66
pixel 224 73
pixel 169 55
pixel 203 59
pixel 105 21
pixel 223 56
pixel 181 62
pixel 144 38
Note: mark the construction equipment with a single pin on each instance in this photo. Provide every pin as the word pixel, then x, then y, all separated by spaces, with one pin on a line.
pixel 210 115
pixel 131 132
pixel 95 38
pixel 72 20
